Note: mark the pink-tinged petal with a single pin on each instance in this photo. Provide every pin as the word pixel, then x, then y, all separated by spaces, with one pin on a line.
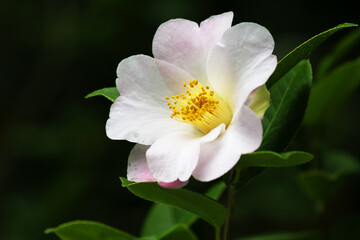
pixel 240 62
pixel 175 156
pixel 186 45
pixel 173 185
pixel 141 113
pixel 138 170
pixel 242 136
pixel 178 41
pixel 213 28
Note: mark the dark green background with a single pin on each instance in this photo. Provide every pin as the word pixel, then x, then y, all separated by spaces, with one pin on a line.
pixel 56 163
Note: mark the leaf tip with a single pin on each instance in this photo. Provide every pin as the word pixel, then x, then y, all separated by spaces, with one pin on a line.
pixel 125 182
pixel 110 93
pixel 89 95
pixel 49 230
pixel 347 25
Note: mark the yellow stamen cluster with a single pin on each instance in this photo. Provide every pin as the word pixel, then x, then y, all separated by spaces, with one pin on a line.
pixel 200 106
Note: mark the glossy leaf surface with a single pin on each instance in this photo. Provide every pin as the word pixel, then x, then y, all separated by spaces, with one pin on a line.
pixel 301 52
pixel 289 97
pixel 283 118
pixel 273 159
pixel 198 204
pixel 162 217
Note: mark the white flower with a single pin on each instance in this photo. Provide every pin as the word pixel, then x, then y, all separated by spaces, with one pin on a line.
pixel 195 107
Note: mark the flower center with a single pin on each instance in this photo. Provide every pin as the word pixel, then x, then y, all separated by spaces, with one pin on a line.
pixel 200 106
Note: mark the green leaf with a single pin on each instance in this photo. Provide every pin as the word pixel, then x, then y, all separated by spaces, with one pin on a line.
pixel 331 92
pixel 343 47
pixel 301 52
pixel 284 116
pixel 179 233
pixel 110 93
pixel 244 176
pixel 273 159
pixel 308 235
pixel 340 162
pixel 319 185
pixel 289 98
pixel 203 206
pixel 162 217
pixel 216 190
pixel 88 230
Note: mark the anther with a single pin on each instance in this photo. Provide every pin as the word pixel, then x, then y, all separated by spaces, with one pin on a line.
pixel 199 106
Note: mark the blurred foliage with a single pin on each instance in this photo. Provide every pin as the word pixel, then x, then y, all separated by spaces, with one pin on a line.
pixel 56 163
pixel 88 230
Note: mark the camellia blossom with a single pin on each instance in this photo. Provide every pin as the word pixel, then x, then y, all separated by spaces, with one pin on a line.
pixel 197 106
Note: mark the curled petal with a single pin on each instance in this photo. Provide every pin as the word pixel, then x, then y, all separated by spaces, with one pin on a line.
pixel 240 62
pixel 213 28
pixel 186 45
pixel 175 156
pixel 138 170
pixel 217 157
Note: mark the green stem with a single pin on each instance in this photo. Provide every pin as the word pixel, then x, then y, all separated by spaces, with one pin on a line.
pixel 217 233
pixel 230 200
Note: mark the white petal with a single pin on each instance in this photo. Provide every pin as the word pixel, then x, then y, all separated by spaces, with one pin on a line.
pixel 174 76
pixel 186 45
pixel 141 113
pixel 213 28
pixel 242 136
pixel 138 170
pixel 140 79
pixel 240 62
pixel 175 156
pixel 137 122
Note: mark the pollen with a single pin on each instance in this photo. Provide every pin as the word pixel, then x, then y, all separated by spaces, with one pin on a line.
pixel 200 106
